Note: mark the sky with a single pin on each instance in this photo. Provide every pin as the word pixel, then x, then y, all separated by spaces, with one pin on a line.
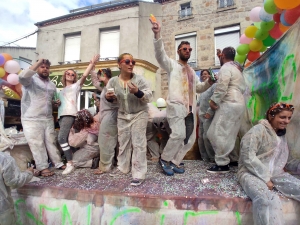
pixel 17 17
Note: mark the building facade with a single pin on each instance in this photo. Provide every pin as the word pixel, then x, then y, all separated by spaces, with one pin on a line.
pixel 108 29
pixel 207 24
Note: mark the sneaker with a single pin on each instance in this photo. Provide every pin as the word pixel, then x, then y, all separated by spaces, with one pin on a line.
pixel 231 164
pixel 165 167
pixel 177 169
pixel 218 169
pixel 136 182
pixel 69 169
pixel 115 172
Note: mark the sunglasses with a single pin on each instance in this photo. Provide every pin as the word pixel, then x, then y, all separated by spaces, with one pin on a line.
pixel 185 49
pixel 128 61
pixel 70 74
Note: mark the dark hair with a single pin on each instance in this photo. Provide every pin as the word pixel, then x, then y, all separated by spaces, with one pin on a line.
pixel 277 108
pixel 106 71
pixel 46 62
pixel 83 119
pixel 122 55
pixel 183 43
pixel 202 71
pixel 63 79
pixel 229 53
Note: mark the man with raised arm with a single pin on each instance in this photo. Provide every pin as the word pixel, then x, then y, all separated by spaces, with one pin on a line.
pixel 36 115
pixel 181 102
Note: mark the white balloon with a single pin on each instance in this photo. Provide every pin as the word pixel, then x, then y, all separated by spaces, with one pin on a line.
pixel 264 16
pixel 12 66
pixel 254 14
pixel 13 79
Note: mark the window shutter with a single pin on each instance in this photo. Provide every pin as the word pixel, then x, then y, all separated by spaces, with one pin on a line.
pixel 190 38
pixel 223 40
pixel 72 48
pixel 109 43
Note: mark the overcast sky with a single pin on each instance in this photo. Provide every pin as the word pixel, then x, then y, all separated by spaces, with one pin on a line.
pixel 17 17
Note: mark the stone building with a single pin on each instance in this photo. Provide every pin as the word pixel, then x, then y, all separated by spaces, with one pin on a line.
pixel 206 24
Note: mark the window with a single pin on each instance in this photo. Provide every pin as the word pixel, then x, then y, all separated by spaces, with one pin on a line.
pixel 225 3
pixel 109 44
pixel 185 10
pixel 225 37
pixel 72 48
pixel 190 37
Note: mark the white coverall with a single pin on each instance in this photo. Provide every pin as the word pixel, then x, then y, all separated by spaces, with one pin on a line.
pixel 132 123
pixel 108 131
pixel 206 150
pixel 83 157
pixel 37 119
pixel 263 157
pixel 226 123
pixel 178 103
pixel 10 177
pixel 151 133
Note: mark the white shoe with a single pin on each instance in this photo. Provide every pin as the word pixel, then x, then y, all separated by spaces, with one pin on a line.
pixel 69 169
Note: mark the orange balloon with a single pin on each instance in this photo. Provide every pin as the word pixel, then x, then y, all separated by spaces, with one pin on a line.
pixel 6 56
pixel 283 28
pixel 287 4
pixel 247 64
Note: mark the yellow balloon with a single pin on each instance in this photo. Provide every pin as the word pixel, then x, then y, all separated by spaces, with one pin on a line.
pixel 250 31
pixel 256 45
pixel 10 93
pixel 287 4
pixel 2 72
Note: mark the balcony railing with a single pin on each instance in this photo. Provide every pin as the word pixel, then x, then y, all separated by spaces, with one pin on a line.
pixel 185 13
pixel 108 58
pixel 225 3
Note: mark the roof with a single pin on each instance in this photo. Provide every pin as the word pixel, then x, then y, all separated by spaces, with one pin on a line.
pixel 92 11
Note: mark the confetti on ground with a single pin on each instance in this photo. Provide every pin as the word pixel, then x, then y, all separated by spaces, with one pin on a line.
pixel 195 182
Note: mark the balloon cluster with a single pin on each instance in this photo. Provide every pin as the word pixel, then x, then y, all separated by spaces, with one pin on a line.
pixel 269 23
pixel 9 78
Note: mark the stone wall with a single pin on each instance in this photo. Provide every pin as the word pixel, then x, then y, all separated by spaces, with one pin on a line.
pixel 205 19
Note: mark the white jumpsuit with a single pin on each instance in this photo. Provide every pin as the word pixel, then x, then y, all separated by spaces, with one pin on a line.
pixel 263 157
pixel 206 150
pixel 37 119
pixel 10 177
pixel 226 123
pixel 132 124
pixel 179 101
pixel 108 131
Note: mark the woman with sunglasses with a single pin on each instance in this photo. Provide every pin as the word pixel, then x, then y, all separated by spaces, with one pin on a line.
pixel 108 131
pixel 132 93
pixel 264 157
pixel 68 109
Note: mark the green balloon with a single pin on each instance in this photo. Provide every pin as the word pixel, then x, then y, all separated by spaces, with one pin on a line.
pixel 270 6
pixel 267 26
pixel 257 24
pixel 243 49
pixel 240 58
pixel 261 34
pixel 269 41
pixel 263 49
